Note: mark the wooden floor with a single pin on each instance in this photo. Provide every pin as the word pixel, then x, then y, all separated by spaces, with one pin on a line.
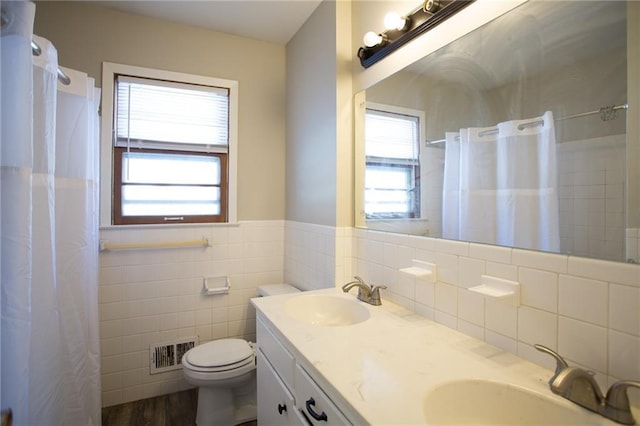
pixel 176 409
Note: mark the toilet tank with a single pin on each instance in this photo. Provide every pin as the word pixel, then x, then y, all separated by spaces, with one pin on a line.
pixel 276 289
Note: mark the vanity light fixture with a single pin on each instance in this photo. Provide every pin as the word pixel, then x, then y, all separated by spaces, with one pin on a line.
pixel 372 39
pixel 402 29
pixel 393 21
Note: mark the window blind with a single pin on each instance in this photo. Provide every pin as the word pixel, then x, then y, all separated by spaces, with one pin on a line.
pixel 169 115
pixel 390 135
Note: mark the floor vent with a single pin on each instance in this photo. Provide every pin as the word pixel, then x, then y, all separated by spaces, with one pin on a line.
pixel 167 356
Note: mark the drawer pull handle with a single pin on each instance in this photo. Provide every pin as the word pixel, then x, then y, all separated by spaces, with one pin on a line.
pixel 322 417
pixel 281 408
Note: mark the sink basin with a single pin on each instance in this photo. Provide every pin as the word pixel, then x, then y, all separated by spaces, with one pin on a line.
pixel 325 310
pixel 483 402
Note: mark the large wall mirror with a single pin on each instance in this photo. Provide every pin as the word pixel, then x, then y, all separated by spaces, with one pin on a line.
pixel 515 134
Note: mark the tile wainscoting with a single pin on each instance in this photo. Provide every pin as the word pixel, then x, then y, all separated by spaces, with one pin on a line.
pixel 155 295
pixel 588 310
pixel 317 256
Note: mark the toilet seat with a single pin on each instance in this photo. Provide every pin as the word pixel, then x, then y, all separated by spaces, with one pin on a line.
pixel 220 356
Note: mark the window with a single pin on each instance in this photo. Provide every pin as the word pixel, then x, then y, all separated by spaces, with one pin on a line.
pixel 392 174
pixel 173 147
pixel 156 186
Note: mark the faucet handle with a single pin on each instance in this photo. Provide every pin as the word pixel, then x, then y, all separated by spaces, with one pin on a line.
pixel 374 297
pixel 617 402
pixel 561 364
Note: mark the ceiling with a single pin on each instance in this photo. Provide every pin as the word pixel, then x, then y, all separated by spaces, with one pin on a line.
pixel 273 21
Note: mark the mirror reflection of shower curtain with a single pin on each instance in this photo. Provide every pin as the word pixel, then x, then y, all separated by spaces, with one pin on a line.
pixel 501 187
pixel 50 358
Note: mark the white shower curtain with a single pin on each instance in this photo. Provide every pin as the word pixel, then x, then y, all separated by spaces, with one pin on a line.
pixel 49 332
pixel 500 185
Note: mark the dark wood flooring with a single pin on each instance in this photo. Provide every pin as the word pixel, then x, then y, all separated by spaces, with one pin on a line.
pixel 176 409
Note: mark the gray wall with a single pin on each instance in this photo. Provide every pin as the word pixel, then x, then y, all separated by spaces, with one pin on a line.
pixel 319 119
pixel 86 35
pixel 311 120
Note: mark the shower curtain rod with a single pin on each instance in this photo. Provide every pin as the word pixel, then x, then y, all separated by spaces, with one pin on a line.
pixel 606 114
pixel 37 51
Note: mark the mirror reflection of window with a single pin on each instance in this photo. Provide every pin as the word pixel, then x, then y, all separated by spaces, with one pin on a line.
pixel 392 174
pixel 566 57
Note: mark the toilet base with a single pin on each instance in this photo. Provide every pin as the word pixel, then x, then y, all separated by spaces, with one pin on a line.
pixel 245 403
pixel 215 407
pixel 224 406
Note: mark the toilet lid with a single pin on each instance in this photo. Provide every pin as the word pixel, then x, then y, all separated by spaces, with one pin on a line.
pixel 219 353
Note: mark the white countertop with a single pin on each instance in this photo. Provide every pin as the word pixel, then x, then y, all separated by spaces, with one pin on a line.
pixel 380 370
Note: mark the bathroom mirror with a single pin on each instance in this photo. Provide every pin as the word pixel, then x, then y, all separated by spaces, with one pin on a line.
pixel 515 134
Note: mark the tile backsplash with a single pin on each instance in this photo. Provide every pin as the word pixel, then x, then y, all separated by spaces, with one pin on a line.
pixel 588 310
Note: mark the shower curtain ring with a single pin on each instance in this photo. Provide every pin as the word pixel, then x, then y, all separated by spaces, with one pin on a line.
pixel 608 113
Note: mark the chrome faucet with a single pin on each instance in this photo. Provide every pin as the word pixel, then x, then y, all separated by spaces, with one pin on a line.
pixel 579 386
pixel 366 293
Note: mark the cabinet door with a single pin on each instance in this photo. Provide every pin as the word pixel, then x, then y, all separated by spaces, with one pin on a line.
pixel 275 402
pixel 314 403
pixel 279 357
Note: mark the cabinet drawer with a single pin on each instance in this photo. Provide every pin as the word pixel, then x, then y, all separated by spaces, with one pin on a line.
pixel 314 403
pixel 275 402
pixel 279 357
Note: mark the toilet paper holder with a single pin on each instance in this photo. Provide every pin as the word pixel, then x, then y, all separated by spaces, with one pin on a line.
pixel 216 285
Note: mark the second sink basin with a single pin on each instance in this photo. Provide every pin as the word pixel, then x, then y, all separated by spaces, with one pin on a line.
pixel 317 309
pixel 483 402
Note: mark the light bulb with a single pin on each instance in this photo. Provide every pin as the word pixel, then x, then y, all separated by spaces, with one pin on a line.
pixel 372 39
pixel 393 21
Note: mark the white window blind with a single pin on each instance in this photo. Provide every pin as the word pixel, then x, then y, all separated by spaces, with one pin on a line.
pixel 392 165
pixel 390 135
pixel 169 115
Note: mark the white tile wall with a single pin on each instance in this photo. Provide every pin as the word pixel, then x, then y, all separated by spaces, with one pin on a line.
pixel 587 309
pixel 149 296
pixel 318 256
pixel 591 189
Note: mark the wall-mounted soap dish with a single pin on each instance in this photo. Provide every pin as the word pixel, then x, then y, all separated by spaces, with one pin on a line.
pixel 503 290
pixel 421 270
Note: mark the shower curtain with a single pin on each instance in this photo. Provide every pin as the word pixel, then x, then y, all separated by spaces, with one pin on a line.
pixel 49 355
pixel 500 185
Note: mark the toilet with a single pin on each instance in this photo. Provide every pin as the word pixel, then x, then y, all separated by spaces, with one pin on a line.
pixel 225 372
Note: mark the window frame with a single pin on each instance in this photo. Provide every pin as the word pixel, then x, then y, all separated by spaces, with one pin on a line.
pixel 108 150
pixel 418 199
pixel 119 219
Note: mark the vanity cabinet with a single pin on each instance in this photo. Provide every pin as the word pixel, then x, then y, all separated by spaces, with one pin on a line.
pixel 314 403
pixel 287 393
pixel 275 402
